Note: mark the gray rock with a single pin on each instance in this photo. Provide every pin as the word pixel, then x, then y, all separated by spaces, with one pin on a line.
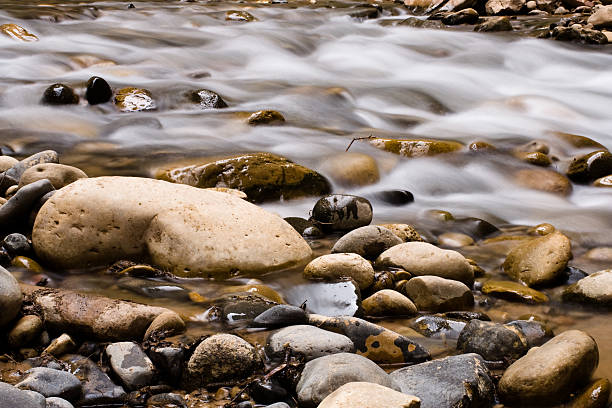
pixel 12 176
pixel 16 244
pixel 27 329
pixel 55 402
pixel 52 383
pixel 453 382
pixel 369 241
pixel 281 315
pixel 328 299
pixel 438 294
pixel 324 375
pixel 533 333
pixel 18 207
pixel 14 397
pixel 342 212
pixel 10 297
pixel 493 341
pixel 130 364
pixel 98 389
pixel 595 289
pixel 309 341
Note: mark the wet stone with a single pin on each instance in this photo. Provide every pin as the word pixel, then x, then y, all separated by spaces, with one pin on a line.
pixel 494 24
pixel 328 299
pixel 437 294
pixel 455 240
pixel 533 332
pixel 27 263
pixel 595 395
pixel 207 99
pixel 299 224
pixel 52 383
pixel 388 303
pixel 16 244
pixel 169 360
pixel 438 326
pixel 405 232
pixel 339 212
pixel 338 266
pixel 603 181
pixel 457 381
pixel 594 289
pixel 492 341
pixel 416 147
pixel 98 389
pixel 130 364
pixel 265 117
pixel 18 207
pixel 513 291
pixel 17 33
pixel 243 306
pixel 238 15
pixel 134 99
pixel 167 400
pixel 98 91
pixel 394 197
pixel 166 324
pixel 281 315
pixel 267 392
pixel 307 341
pixel 14 397
pixel 465 16
pixel 590 167
pixel 60 94
pixel 27 329
pixel 10 297
pixel 369 241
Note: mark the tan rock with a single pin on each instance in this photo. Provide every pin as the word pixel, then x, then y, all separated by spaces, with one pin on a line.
pixel 455 239
pixel 338 266
pixel 60 346
pixel 17 33
pixel 231 191
pixel 436 294
pixel 607 180
pixel 416 147
pixel 6 162
pixel 368 395
pixel 405 232
pixel 351 169
pixel 601 18
pixel 265 117
pixel 59 175
pixel 27 329
pixel 168 323
pixel 134 99
pixel 544 180
pixel 10 297
pixel 388 302
pixel 257 289
pixel 595 288
pixel 600 254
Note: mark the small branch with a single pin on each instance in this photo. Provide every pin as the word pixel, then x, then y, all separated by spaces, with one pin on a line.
pixel 358 138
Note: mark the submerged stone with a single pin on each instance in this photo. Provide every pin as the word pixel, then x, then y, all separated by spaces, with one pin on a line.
pixel 416 147
pixel 513 291
pixel 342 212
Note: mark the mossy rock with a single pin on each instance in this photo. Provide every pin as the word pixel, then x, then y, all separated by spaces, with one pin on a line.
pixel 261 176
pixel 513 291
pixel 416 147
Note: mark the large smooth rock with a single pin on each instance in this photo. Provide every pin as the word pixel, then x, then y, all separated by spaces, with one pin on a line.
pixel 437 294
pixel 10 297
pixel 451 382
pixel 595 288
pixel 262 176
pixel 369 241
pixel 308 341
pixel 130 364
pixel 421 258
pixel 281 315
pixel 189 231
pixel 337 266
pixel 52 383
pixel 539 261
pixel 222 357
pixel 368 395
pixel 59 175
pixel 324 375
pixel 388 302
pixel 548 374
pixel 14 397
pixel 538 179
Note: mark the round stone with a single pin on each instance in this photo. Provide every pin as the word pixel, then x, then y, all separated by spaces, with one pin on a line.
pixel 60 94
pixel 16 244
pixel 337 266
pixel 27 329
pixel 10 297
pixel 388 303
pixel 368 395
pixel 369 241
pixel 307 341
pixel 98 91
pixel 207 99
pixel 59 175
pixel 437 294
pixel 595 289
pixel 340 212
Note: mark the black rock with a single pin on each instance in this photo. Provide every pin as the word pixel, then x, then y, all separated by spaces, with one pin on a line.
pixel 60 94
pixel 573 274
pixel 5 258
pixel 299 224
pixel 237 307
pixel 18 207
pixel 328 299
pixel 98 389
pixel 169 360
pixel 474 227
pixel 267 392
pixel 395 197
pixel 591 166
pixel 493 341
pixel 98 91
pixel 281 315
pixel 16 244
pixel 342 212
pixel 207 99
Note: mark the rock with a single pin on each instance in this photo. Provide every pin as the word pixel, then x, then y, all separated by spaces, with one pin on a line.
pixel 13 175
pixel 329 299
pixel 595 289
pixel 394 197
pixel 17 33
pixel 134 99
pixel 259 290
pixel 189 231
pixel 60 94
pixel 207 99
pixel 368 395
pixel 492 341
pixel 59 175
pixel 603 181
pixel 167 400
pixel 351 169
pixel 14 397
pixel 16 244
pixel 262 176
pixel 55 402
pixel 98 389
pixel 18 207
pixel 548 374
pixel 299 224
pixel 438 327
pixel 505 7
pixel 369 241
pixel 10 297
pixel 465 16
pixel 130 364
pixel 52 383
pixel 542 229
pixel 591 166
pixel 60 346
pixel 456 381
pixel 6 162
pixel 458 5
pixel 222 357
pixel 595 395
pixel 27 264
pixel 92 316
pixel 243 306
pixel 420 258
pixel 455 239
pixel 278 405
pixel 342 212
pixel 265 117
pixel 437 294
pixel 539 261
pixel 375 342
pixel 281 315
pixel 535 158
pixel 324 375
pixel 404 232
pixel 533 333
pixel 544 180
pixel 238 15
pixel 308 341
pixel 602 17
pixel 27 329
pixel 388 303
pixel 495 24
pixel 98 91
pixel 416 147
pixel 169 360
pixel 337 266
pixel 513 291
pixel 167 324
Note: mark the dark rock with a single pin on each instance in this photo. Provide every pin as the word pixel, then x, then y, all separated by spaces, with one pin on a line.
pixel 591 166
pixel 299 224
pixel 513 291
pixel 493 24
pixel 60 94
pixel 169 360
pixel 243 306
pixel 395 197
pixel 574 274
pixel 265 117
pixel 281 315
pixel 26 330
pixel 12 176
pixel 534 333
pixel 369 241
pixel 167 400
pixel 493 341
pixel 14 397
pixel 130 364
pixel 438 327
pixel 382 280
pixel 16 244
pixel 207 99
pixel 98 91
pixel 312 232
pixel 329 299
pixel 466 316
pixel 451 382
pixel 98 389
pixel 307 341
pixel 52 383
pixel 465 16
pixel 267 392
pixel 474 227
pixel 18 207
pixel 339 212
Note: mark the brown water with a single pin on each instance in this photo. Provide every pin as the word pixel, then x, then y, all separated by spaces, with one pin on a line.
pixel 334 76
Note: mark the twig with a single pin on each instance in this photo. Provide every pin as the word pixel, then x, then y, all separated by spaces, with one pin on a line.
pixel 358 138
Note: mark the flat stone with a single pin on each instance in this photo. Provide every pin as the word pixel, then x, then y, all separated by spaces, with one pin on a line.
pixel 308 341
pixel 338 266
pixel 14 397
pixel 17 33
pixel 243 306
pixel 281 315
pixel 369 241
pixel 421 258
pixel 368 395
pixel 134 99
pixel 595 289
pixel 265 117
pixel 52 383
pixel 545 180
pixel 455 239
pixel 27 329
pixel 342 212
pixel 59 175
pixel 505 7
pixel 98 389
pixel 437 294
pixel 494 24
pixel 324 375
pixel 130 364
pixel 388 302
pixel 456 381
pixel 10 297
pixel 513 291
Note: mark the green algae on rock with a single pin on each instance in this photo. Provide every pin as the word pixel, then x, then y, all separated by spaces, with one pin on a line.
pixel 416 147
pixel 513 291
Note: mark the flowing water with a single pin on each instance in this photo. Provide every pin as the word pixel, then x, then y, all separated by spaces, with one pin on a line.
pixel 334 75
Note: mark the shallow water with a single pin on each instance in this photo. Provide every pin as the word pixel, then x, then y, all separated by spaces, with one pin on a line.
pixel 334 77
